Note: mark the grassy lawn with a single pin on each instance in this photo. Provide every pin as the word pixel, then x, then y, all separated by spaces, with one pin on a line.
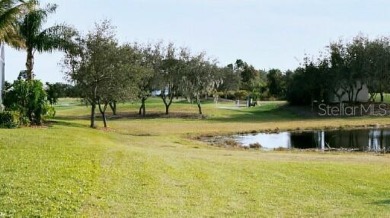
pixel 151 167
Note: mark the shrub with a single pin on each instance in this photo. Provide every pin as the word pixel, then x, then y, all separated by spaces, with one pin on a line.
pixel 231 143
pixel 241 94
pixel 8 120
pixel 28 98
pixel 255 145
pixel 227 95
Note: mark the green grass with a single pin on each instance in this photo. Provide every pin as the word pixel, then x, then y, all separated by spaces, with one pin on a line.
pixel 386 98
pixel 151 167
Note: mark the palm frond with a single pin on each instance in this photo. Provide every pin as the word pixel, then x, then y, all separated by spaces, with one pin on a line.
pixel 58 37
pixel 10 12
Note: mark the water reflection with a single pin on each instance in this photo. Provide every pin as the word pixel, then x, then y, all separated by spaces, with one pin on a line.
pixel 359 139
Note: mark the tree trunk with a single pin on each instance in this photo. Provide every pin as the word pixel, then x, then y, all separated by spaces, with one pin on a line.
pixel 358 91
pixel 104 119
pixel 382 97
pixel 113 107
pixel 357 94
pixel 30 64
pixel 372 97
pixel 103 112
pixel 339 96
pixel 142 109
pixel 167 109
pixel 93 107
pixel 167 103
pixel 199 106
pixel 350 93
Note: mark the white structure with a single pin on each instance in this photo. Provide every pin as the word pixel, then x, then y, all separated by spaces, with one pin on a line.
pixel 2 74
pixel 363 95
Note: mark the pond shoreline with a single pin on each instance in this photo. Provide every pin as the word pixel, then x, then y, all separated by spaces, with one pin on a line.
pixel 232 140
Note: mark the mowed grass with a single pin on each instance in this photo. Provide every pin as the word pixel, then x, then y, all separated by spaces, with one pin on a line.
pixel 152 167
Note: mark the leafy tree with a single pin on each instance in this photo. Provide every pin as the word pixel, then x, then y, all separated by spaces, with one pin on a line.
pixel 53 92
pixel 145 59
pixel 168 65
pixel 10 12
pixel 275 83
pixel 62 90
pixel 250 77
pixel 348 67
pixel 339 68
pixel 201 77
pixel 308 83
pixel 378 64
pixel 100 69
pixel 231 80
pixel 35 38
pixel 357 56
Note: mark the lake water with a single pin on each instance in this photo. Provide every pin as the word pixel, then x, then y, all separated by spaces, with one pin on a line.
pixel 357 139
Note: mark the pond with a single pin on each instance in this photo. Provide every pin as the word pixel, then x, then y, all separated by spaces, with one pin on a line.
pixel 356 139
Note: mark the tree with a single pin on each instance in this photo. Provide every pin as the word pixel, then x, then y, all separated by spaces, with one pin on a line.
pixel 10 12
pixel 61 90
pixel 231 80
pixel 200 77
pixel 378 64
pixel 309 82
pixel 35 38
pixel 357 55
pixel 250 77
pixel 349 67
pixel 146 61
pixel 53 93
pixel 101 70
pixel 338 68
pixel 168 66
pixel 275 83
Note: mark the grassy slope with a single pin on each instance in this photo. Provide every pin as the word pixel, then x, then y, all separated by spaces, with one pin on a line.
pixel 148 167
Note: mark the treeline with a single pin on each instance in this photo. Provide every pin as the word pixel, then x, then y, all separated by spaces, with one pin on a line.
pixel 341 73
pixel 107 72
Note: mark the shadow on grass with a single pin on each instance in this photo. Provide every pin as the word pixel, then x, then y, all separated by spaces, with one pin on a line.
pixel 67 124
pixel 268 113
pixel 265 113
pixel 382 203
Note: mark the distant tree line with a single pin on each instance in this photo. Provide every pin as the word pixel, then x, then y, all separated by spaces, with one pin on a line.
pixel 106 73
pixel 342 70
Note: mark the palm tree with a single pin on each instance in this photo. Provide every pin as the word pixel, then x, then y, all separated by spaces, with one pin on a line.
pixel 10 12
pixel 42 40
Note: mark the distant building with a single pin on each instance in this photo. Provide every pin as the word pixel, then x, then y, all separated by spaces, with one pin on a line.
pixel 2 73
pixel 158 92
pixel 363 95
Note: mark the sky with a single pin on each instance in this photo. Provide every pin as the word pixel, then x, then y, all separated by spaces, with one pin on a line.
pixel 264 33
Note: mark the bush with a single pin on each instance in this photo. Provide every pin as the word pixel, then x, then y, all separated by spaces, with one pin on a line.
pixel 241 95
pixel 8 120
pixel 227 95
pixel 28 98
